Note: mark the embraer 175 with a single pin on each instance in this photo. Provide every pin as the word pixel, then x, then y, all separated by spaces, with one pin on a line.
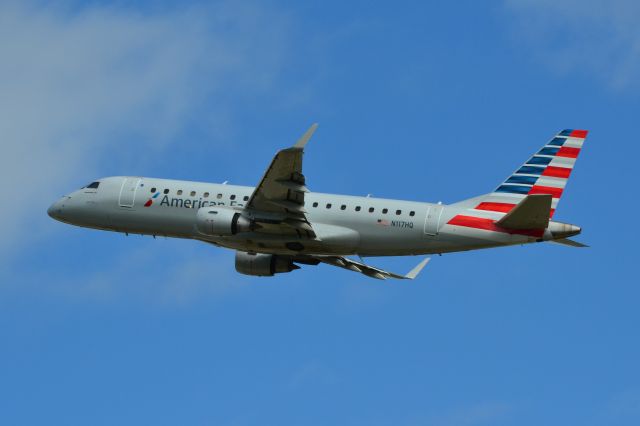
pixel 280 224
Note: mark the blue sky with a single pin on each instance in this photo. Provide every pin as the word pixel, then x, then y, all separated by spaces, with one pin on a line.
pixel 433 101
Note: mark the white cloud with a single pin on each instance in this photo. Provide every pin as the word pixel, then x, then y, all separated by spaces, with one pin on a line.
pixel 74 83
pixel 600 37
pixel 159 274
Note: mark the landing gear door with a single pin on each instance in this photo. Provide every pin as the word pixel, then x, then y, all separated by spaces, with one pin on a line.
pixel 128 192
pixel 432 221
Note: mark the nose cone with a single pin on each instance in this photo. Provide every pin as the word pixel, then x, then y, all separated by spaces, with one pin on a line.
pixel 55 210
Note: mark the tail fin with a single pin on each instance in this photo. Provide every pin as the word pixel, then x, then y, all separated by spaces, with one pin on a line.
pixel 546 172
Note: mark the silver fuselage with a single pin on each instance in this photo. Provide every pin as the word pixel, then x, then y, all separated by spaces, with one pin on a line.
pixel 344 224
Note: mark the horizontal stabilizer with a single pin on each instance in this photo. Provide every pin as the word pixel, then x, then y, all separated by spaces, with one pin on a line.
pixel 532 212
pixel 568 242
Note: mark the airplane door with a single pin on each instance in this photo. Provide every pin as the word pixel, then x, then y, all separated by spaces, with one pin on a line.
pixel 432 221
pixel 128 192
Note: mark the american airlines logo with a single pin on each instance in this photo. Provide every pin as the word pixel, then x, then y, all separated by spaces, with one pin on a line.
pixel 150 200
pixel 187 203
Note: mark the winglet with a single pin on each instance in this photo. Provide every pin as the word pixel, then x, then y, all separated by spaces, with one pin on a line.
pixel 415 271
pixel 305 138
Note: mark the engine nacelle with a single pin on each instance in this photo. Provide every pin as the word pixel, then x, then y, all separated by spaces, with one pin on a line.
pixel 223 221
pixel 263 265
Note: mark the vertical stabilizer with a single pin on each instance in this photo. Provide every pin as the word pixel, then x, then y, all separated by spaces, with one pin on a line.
pixel 546 172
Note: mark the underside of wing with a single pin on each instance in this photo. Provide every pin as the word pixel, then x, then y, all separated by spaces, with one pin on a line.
pixel 277 204
pixel 532 212
pixel 370 271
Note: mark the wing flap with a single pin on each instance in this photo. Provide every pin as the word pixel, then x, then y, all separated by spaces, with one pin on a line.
pixel 290 205
pixel 292 185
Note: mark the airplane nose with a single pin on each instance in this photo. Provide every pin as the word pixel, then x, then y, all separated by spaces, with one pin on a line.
pixel 55 210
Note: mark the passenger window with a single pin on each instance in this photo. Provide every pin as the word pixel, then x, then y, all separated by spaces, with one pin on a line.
pixel 357 208
pixel 371 209
pixel 166 191
pixel 384 211
pixel 153 190
pixel 179 192
pixel 233 197
pixel 193 193
pixel 412 213
pixel 398 212
pixel 329 205
pixel 343 207
pixel 245 198
pixel 219 196
pixel 315 204
pixel 206 195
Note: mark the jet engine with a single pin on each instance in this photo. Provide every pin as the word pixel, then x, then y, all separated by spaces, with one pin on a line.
pixel 263 265
pixel 223 221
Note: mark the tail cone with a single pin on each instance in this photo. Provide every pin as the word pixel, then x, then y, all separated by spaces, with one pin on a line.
pixel 563 230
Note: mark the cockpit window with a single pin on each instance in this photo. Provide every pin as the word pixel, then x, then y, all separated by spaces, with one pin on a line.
pixel 93 185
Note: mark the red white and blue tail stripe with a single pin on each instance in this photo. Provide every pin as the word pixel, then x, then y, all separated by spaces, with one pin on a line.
pixel 546 172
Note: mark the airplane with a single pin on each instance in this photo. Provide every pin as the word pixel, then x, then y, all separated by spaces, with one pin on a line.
pixel 280 224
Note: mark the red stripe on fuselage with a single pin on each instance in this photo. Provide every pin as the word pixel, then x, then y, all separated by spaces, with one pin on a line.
pixel 569 152
pixel 495 207
pixel 559 172
pixel 500 207
pixel 555 192
pixel 490 225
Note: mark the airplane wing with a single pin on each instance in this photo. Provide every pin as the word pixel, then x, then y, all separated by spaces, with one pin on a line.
pixel 370 271
pixel 277 203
